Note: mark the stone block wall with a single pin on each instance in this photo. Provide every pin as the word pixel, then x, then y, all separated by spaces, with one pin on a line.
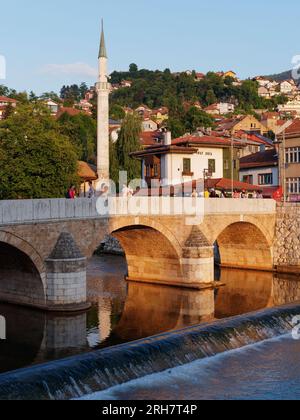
pixel 287 238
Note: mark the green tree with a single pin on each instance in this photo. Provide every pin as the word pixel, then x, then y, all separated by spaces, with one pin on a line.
pixel 133 68
pixel 113 162
pixel 4 91
pixel 81 129
pixel 128 142
pixel 211 97
pixel 195 118
pixel 176 127
pixel 35 160
pixel 117 112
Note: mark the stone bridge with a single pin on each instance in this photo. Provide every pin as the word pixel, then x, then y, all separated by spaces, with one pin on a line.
pixel 45 245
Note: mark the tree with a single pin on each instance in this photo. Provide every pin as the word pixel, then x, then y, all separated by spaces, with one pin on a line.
pixel 81 129
pixel 117 112
pixel 83 88
pixel 35 160
pixel 211 97
pixel 195 118
pixel 133 68
pixel 176 127
pixel 51 95
pixel 4 91
pixel 128 142
pixel 113 162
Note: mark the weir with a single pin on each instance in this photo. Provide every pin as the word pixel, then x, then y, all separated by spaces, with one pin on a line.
pixel 97 371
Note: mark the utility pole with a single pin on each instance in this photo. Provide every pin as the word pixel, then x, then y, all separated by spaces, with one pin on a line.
pixel 232 169
pixel 284 168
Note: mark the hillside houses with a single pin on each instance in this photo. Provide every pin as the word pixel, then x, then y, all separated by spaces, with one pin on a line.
pixel 270 88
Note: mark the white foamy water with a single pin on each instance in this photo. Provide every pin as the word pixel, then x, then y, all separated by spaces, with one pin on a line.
pixel 267 370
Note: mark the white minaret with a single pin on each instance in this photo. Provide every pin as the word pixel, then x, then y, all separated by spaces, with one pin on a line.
pixel 103 89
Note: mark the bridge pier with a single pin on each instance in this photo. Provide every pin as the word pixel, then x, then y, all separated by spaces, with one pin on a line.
pixel 66 277
pixel 198 259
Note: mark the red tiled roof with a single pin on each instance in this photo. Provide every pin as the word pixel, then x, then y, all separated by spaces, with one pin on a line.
pixel 294 128
pixel 204 140
pixel 8 100
pixel 71 111
pixel 150 138
pixel 269 115
pixel 226 184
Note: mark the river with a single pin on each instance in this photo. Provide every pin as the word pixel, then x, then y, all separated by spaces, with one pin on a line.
pixel 124 312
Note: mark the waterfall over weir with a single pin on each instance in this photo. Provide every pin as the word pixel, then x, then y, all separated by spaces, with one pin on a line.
pixel 100 370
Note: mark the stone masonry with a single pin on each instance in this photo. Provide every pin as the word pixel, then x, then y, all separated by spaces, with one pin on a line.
pixel 287 241
pixel 66 275
pixel 56 236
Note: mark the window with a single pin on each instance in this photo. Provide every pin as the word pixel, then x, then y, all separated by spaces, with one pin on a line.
pixel 226 165
pixel 155 170
pixel 148 171
pixel 186 166
pixel 265 179
pixel 212 165
pixel 293 185
pixel 292 155
pixel 248 179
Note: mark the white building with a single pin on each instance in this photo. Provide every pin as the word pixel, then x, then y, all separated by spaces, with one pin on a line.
pixel 290 107
pixel 149 125
pixel 186 159
pixel 261 169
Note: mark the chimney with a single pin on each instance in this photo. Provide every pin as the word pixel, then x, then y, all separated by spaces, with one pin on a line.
pixel 167 138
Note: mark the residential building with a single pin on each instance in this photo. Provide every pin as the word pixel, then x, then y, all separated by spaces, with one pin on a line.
pixel 85 106
pixel 149 125
pixel 261 169
pixel 189 158
pixel 144 111
pixel 221 108
pixel 252 143
pixel 274 122
pixel 51 105
pixel 160 115
pixel 4 103
pixel 292 106
pixel 245 123
pixel 288 87
pixel 199 77
pixel 289 158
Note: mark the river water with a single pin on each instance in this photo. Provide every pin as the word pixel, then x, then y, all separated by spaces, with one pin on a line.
pixel 124 312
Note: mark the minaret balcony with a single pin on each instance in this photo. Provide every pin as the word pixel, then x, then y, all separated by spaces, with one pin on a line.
pixel 102 86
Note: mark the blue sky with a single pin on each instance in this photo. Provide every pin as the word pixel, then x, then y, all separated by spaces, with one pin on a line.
pixel 48 44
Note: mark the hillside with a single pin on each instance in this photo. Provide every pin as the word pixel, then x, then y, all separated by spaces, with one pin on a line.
pixel 280 77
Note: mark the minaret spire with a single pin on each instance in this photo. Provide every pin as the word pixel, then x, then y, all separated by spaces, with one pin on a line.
pixel 103 89
pixel 102 50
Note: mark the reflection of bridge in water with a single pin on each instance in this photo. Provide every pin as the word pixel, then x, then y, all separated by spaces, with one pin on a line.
pixel 35 337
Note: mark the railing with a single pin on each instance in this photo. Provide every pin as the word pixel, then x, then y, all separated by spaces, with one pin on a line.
pixel 34 211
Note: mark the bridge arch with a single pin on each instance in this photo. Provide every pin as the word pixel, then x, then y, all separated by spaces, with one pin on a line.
pixel 22 272
pixel 244 244
pixel 152 252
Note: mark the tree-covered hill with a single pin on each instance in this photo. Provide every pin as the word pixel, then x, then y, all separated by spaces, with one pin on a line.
pixel 162 88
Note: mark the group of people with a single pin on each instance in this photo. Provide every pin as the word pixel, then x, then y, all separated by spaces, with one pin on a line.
pixel 222 194
pixel 127 192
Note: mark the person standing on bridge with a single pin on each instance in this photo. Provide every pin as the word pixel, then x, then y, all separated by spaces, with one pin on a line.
pixel 71 195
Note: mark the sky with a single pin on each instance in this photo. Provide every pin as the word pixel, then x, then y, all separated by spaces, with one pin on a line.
pixel 48 44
